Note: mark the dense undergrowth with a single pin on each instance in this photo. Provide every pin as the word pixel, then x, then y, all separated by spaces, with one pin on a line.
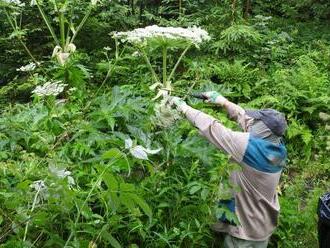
pixel 67 178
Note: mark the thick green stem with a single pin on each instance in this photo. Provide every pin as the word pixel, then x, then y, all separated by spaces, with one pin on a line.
pixel 177 63
pixel 62 29
pixel 81 24
pixel 50 28
pixel 146 59
pixel 166 84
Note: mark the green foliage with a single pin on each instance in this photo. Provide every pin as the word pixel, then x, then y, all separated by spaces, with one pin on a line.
pixel 67 178
pixel 237 38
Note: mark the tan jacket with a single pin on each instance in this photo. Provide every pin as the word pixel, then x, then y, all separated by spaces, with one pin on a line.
pixel 256 204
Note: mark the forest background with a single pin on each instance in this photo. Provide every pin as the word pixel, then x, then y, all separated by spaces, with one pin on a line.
pixel 67 178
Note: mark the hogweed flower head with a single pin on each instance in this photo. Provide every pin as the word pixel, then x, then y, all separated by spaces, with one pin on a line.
pixel 194 35
pixel 49 89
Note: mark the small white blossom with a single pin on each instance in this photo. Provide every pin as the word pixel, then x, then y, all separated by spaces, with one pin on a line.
pixel 28 67
pixel 38 185
pixel 41 189
pixel 63 173
pixel 107 48
pixel 139 151
pixel 49 89
pixel 194 34
pixel 33 2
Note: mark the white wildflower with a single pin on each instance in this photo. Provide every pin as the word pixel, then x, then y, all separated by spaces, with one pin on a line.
pixel 33 2
pixel 63 173
pixel 41 189
pixel 49 89
pixel 139 151
pixel 107 48
pixel 94 2
pixel 28 67
pixel 195 35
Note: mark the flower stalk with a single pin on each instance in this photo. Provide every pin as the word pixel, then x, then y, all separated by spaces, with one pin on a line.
pixel 165 82
pixel 146 59
pixel 178 62
pixel 81 24
pixel 49 26
pixel 62 28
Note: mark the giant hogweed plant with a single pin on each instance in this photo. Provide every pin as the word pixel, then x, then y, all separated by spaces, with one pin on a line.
pixel 64 15
pixel 163 39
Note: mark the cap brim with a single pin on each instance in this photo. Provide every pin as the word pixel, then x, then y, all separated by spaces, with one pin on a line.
pixel 253 113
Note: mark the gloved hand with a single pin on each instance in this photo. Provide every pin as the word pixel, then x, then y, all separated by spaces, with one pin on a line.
pixel 178 103
pixel 214 97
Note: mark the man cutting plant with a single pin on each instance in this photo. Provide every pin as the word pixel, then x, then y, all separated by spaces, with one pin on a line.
pixel 260 152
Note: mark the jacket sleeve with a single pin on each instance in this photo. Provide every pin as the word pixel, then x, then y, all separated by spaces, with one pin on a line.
pixel 233 143
pixel 237 113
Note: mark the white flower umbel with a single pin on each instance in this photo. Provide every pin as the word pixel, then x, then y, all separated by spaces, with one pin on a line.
pixel 49 89
pixel 28 67
pixel 138 151
pixel 195 35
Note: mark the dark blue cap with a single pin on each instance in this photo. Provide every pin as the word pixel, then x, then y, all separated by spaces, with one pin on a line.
pixel 273 119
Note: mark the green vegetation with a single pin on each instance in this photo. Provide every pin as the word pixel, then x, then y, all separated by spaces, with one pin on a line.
pixel 70 175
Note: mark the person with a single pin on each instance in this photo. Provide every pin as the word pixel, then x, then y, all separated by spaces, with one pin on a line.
pixel 260 151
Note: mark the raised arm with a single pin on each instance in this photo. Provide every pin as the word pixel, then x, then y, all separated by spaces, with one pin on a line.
pixel 233 143
pixel 235 112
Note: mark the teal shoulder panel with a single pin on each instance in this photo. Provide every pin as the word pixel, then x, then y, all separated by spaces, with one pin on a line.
pixel 265 156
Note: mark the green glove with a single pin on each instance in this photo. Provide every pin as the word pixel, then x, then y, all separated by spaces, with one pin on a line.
pixel 214 97
pixel 178 103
